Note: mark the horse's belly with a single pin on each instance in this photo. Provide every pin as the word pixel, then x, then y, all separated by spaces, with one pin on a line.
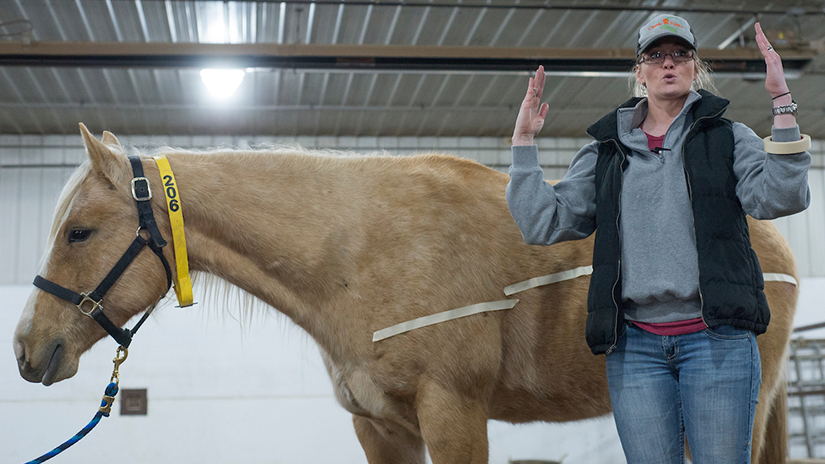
pixel 519 405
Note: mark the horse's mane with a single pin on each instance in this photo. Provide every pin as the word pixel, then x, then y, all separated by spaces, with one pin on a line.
pixel 296 156
pixel 272 149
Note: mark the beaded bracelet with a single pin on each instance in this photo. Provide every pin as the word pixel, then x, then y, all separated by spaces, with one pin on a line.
pixel 787 148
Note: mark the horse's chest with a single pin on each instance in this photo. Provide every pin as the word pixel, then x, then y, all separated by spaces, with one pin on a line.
pixel 356 390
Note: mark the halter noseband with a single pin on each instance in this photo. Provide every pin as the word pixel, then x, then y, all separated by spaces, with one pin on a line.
pixel 90 303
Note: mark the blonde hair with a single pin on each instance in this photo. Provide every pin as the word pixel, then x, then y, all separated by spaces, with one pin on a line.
pixel 702 80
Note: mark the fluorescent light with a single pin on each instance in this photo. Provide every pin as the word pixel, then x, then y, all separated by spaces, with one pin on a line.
pixel 222 83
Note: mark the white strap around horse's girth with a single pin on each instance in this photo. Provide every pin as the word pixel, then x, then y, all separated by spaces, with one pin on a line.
pixel 773 277
pixel 587 270
pixel 441 317
pixel 548 279
pixel 509 304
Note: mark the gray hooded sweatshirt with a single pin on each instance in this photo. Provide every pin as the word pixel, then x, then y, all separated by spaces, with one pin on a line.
pixel 660 272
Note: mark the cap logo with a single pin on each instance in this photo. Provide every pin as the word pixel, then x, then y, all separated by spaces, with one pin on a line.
pixel 667 24
pixel 661 26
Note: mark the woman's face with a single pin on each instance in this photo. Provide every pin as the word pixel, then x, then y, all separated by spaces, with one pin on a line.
pixel 669 79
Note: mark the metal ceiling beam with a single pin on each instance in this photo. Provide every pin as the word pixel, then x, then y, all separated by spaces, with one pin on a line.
pixel 281 22
pixel 529 27
pixel 338 19
pixel 170 19
pixel 504 24
pixel 736 34
pixel 144 26
pixel 364 57
pixel 201 108
pixel 421 24
pixel 310 22
pixel 476 25
pixel 507 5
pixel 393 23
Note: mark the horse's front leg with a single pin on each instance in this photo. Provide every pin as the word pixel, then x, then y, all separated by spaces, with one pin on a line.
pixel 387 443
pixel 453 424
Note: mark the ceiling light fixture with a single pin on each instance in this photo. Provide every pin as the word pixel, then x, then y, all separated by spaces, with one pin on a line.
pixel 222 83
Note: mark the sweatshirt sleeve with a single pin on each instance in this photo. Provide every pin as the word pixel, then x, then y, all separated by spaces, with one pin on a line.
pixel 769 185
pixel 544 213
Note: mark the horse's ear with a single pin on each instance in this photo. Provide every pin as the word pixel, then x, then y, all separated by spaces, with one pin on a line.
pixel 106 162
pixel 110 139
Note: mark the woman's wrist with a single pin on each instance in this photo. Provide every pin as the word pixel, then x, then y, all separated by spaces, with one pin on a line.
pixel 783 121
pixel 783 99
pixel 519 140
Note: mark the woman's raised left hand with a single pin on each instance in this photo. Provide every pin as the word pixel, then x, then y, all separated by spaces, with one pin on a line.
pixel 775 78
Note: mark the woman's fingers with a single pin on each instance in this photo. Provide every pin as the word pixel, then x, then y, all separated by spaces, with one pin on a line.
pixel 538 82
pixel 762 42
pixel 535 88
pixel 770 55
pixel 774 73
pixel 531 115
pixel 543 110
pixel 531 92
pixel 760 37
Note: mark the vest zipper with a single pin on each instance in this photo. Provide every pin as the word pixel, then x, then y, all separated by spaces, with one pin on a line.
pixel 619 270
pixel 692 215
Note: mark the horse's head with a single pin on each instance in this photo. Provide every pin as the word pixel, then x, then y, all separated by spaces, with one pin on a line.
pixel 95 222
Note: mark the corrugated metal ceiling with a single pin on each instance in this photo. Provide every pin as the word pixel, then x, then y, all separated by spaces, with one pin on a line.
pixel 348 95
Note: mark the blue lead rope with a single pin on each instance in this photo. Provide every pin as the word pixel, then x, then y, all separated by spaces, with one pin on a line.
pixel 103 411
pixel 105 408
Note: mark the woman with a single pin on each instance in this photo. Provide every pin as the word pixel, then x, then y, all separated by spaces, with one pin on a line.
pixel 675 299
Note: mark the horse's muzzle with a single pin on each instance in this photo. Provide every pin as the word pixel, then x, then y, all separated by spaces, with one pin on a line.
pixel 46 370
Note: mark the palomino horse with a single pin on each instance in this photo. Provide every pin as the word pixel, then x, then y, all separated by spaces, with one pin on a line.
pixel 346 246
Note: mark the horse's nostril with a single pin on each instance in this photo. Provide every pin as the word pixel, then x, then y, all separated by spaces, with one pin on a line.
pixel 19 351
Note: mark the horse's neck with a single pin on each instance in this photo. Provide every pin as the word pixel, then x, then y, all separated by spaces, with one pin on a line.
pixel 269 225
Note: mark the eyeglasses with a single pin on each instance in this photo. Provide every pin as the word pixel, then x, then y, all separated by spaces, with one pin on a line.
pixel 657 57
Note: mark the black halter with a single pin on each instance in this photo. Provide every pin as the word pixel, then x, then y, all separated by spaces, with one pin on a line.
pixel 142 193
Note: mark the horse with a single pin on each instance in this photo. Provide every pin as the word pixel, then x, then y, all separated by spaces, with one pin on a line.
pixel 348 245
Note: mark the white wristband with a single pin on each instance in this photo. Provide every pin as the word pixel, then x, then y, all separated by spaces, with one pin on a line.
pixel 787 148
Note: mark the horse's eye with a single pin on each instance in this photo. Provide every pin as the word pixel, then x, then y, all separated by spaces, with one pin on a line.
pixel 79 235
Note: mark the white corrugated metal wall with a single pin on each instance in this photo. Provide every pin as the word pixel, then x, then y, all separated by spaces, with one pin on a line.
pixel 33 169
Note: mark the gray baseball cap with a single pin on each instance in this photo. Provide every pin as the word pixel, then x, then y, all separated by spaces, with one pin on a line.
pixel 663 26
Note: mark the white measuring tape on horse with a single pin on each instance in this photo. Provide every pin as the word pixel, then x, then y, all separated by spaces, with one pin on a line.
pixel 509 304
pixel 480 307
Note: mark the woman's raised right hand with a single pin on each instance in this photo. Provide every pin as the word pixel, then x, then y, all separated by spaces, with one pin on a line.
pixel 531 114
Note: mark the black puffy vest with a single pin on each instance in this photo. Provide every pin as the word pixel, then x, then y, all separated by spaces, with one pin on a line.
pixel 730 278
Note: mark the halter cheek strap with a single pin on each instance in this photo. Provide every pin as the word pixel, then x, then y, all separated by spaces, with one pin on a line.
pixel 90 304
pixel 142 193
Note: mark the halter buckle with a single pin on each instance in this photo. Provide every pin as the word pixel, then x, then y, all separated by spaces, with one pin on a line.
pixel 145 189
pixel 95 305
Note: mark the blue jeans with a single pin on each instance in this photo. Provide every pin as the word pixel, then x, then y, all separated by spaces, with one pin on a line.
pixel 703 385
